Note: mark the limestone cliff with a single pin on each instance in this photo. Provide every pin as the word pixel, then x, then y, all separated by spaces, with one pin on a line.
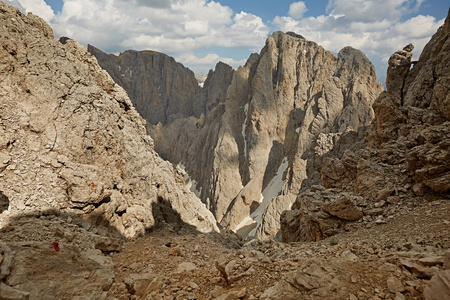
pixel 404 157
pixel 161 89
pixel 71 140
pixel 256 136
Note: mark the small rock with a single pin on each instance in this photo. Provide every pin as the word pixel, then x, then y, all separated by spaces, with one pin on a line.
pixel 393 199
pixel 395 285
pixel 174 252
pixel 343 209
pixel 108 245
pixel 430 261
pixel 438 287
pixel 399 296
pixel 379 204
pixel 348 255
pixel 142 284
pixel 418 270
pixel 353 297
pixel 193 285
pixel 380 221
pixel 186 267
pixel 7 292
pixel 241 293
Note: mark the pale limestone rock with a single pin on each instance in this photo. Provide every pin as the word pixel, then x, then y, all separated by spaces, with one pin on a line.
pixel 413 115
pixel 161 89
pixel 271 110
pixel 344 209
pixel 270 225
pixel 143 284
pixel 439 286
pixel 9 293
pixel 79 145
pixel 186 267
pixel 395 285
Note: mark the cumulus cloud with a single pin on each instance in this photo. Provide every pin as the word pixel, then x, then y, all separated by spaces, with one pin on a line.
pixel 177 27
pixel 37 7
pixel 374 26
pixel 207 62
pixel 17 4
pixel 297 9
pixel 170 26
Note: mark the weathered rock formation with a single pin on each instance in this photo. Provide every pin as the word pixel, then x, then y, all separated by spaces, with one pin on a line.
pixel 71 140
pixel 256 136
pixel 407 150
pixel 161 89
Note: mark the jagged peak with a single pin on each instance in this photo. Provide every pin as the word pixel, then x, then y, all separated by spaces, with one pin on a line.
pixel 289 33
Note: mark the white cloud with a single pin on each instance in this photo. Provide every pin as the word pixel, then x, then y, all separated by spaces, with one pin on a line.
pixel 417 27
pixel 177 27
pixel 375 27
pixel 173 27
pixel 37 7
pixel 297 9
pixel 17 4
pixel 204 64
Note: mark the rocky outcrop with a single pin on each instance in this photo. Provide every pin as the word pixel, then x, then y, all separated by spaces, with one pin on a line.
pixel 415 117
pixel 257 135
pixel 406 153
pixel 71 140
pixel 319 213
pixel 161 89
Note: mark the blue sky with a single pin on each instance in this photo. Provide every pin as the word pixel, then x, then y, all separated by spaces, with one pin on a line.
pixel 199 33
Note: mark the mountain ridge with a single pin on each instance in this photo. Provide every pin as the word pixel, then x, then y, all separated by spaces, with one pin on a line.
pixel 290 70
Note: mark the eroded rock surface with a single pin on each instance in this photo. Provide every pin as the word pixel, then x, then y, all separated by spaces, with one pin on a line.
pixel 256 136
pixel 71 140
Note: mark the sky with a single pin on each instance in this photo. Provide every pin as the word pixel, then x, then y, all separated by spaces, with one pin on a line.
pixel 199 33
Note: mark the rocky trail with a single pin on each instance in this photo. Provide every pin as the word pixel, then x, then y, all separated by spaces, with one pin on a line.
pixel 394 259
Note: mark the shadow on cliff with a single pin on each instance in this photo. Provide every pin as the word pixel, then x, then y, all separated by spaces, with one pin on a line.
pixel 167 221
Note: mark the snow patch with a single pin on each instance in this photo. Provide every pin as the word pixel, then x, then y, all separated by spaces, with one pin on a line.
pixel 190 183
pixel 271 191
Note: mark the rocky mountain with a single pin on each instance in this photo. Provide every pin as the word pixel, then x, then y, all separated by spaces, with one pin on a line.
pixel 406 153
pixel 256 134
pixel 71 140
pixel 160 88
pixel 80 182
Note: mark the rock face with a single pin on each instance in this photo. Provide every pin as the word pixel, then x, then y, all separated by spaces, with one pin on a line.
pixel 71 140
pixel 161 89
pixel 319 213
pixel 256 136
pixel 407 150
